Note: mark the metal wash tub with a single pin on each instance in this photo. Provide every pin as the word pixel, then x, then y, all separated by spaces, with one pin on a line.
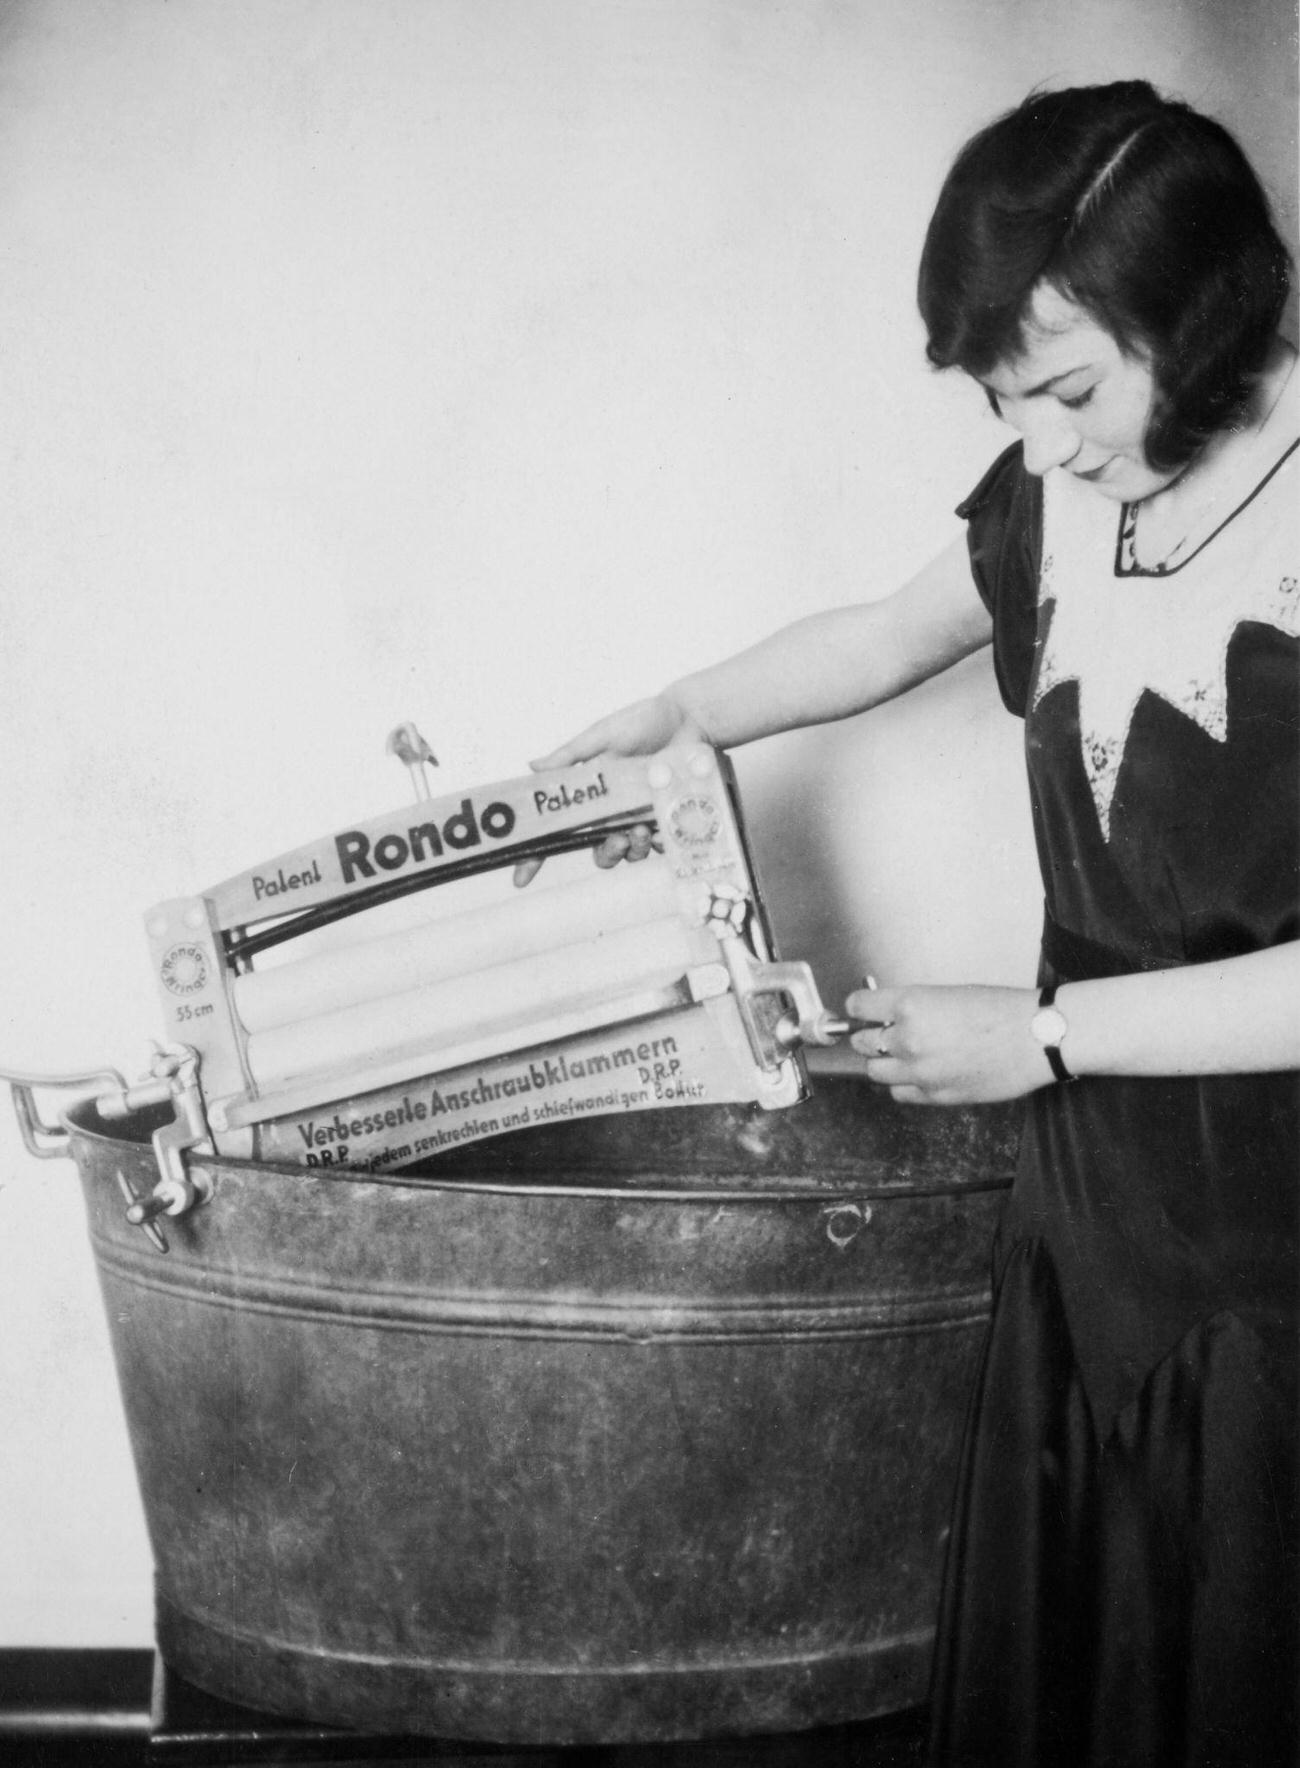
pixel 642 1427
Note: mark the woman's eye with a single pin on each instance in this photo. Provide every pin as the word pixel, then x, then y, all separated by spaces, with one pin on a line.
pixel 1079 400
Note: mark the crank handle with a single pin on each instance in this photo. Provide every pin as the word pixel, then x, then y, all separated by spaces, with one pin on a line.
pixel 409 747
pixel 821 1028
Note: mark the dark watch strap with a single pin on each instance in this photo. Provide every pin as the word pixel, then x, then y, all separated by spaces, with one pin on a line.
pixel 1047 998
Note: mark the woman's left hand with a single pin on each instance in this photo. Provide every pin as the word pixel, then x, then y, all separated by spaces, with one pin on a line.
pixel 949 1046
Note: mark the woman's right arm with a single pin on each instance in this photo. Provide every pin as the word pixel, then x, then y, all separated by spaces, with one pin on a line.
pixel 827 666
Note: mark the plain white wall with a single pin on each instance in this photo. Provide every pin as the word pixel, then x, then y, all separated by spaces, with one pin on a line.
pixel 486 362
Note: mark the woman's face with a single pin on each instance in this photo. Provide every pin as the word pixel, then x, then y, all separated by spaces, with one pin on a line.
pixel 1079 401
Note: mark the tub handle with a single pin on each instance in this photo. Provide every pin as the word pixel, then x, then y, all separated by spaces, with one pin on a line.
pixel 49 1141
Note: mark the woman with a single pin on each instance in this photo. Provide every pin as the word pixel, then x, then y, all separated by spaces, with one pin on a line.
pixel 1122 1575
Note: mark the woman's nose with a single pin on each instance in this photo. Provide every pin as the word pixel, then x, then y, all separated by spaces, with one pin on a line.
pixel 1050 438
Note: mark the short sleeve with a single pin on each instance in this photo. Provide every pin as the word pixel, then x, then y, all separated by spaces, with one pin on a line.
pixel 1004 535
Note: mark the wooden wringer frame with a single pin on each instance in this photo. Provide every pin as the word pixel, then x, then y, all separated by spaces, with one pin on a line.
pixel 639 987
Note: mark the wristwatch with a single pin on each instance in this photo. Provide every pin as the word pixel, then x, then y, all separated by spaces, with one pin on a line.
pixel 1047 1027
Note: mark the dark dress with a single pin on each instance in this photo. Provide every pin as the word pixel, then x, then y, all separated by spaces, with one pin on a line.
pixel 1121 1586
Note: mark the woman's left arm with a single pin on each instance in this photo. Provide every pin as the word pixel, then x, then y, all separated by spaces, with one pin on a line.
pixel 973 1045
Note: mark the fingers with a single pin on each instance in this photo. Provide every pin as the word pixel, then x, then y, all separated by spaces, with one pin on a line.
pixel 621 732
pixel 580 748
pixel 629 844
pixel 872 1006
pixel 913 1096
pixel 611 850
pixel 641 840
pixel 642 728
pixel 890 1071
pixel 875 1038
pixel 873 1011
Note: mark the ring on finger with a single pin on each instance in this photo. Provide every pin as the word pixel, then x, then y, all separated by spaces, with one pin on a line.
pixel 881 1050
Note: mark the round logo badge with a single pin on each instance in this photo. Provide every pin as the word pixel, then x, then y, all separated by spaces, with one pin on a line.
pixel 185 969
pixel 695 821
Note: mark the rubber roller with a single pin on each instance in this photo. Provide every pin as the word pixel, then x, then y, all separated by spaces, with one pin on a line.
pixel 530 987
pixel 536 920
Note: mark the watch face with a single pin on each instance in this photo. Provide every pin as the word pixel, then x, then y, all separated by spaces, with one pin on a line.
pixel 1048 1026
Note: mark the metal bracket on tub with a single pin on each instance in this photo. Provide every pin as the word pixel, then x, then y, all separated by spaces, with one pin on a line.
pixel 174 1078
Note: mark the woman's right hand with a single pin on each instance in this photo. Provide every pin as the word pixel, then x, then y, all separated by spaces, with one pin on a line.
pixel 643 728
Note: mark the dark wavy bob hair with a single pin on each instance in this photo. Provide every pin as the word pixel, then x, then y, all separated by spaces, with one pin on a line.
pixel 1143 212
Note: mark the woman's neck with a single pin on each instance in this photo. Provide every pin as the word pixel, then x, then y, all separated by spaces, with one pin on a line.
pixel 1227 469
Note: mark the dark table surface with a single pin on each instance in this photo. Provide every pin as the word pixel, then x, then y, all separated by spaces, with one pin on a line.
pixel 124 1709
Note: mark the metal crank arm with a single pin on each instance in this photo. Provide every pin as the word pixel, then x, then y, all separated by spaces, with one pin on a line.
pixel 779 1001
